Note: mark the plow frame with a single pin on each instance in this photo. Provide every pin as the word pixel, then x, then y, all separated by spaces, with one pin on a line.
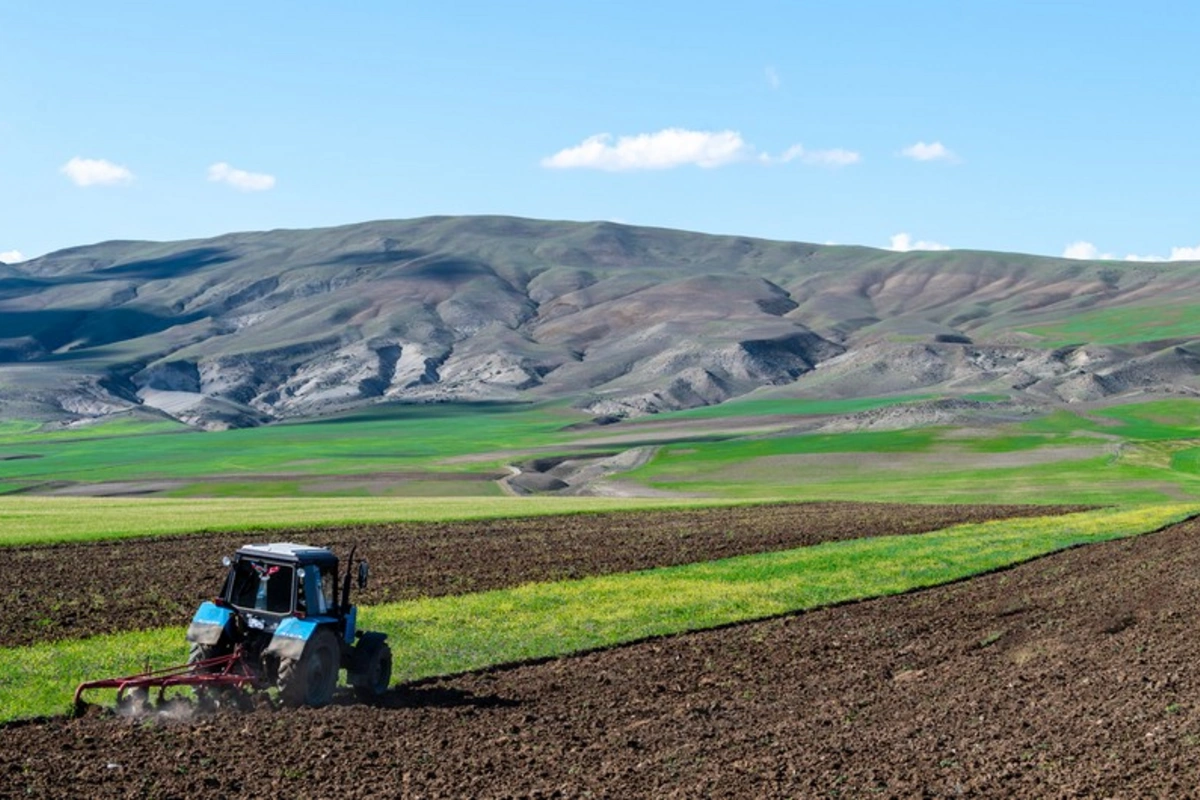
pixel 228 671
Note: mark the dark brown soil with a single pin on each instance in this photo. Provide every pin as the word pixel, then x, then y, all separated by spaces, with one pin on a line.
pixel 80 590
pixel 1076 675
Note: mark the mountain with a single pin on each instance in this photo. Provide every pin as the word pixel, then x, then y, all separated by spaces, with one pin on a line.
pixel 248 328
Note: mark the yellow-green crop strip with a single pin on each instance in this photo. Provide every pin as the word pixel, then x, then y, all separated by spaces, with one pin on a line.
pixel 445 635
pixel 47 520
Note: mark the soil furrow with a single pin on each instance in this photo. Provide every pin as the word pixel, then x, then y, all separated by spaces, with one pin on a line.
pixel 80 590
pixel 1075 675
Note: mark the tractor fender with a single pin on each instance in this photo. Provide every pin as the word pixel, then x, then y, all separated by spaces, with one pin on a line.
pixel 291 636
pixel 209 624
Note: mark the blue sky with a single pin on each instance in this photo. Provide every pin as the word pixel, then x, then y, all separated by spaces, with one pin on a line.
pixel 1040 127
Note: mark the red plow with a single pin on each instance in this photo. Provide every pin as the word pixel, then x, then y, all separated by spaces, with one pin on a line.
pixel 222 672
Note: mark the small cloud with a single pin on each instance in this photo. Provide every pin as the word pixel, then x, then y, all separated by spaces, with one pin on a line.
pixel 836 157
pixel 1083 250
pixel 773 79
pixel 11 257
pixel 934 151
pixel 1089 252
pixel 903 243
pixel 676 147
pixel 672 147
pixel 240 178
pixel 96 172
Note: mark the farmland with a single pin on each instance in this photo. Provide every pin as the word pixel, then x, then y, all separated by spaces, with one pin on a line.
pixel 682 628
pixel 376 465
pixel 888 695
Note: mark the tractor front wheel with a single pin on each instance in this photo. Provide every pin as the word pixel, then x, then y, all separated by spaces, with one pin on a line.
pixel 209 698
pixel 203 652
pixel 311 679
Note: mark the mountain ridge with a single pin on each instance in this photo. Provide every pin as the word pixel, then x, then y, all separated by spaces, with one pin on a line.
pixel 252 327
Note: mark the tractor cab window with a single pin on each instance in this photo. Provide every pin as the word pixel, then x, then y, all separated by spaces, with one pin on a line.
pixel 329 586
pixel 317 589
pixel 262 586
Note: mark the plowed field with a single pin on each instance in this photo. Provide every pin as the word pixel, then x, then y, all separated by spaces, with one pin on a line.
pixel 67 591
pixel 1073 675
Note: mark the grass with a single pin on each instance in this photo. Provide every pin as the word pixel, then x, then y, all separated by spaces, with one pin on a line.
pixel 445 635
pixel 1160 419
pixel 1123 325
pixel 318 486
pixel 397 439
pixel 1127 454
pixel 1088 481
pixel 47 520
pixel 1063 457
pixel 693 458
pixel 1187 461
pixel 23 431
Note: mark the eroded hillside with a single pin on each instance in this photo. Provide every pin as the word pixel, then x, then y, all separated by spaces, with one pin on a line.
pixel 252 327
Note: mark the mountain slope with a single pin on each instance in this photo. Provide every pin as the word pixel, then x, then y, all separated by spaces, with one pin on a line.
pixel 247 328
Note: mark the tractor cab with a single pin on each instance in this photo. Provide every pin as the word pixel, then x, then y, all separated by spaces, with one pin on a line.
pixel 269 582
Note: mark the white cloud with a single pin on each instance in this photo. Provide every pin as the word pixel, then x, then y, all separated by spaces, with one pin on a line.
pixel 837 157
pixel 903 243
pixel 676 147
pixel 934 151
pixel 96 172
pixel 11 257
pixel 668 148
pixel 1083 250
pixel 240 178
pixel 1089 252
pixel 773 79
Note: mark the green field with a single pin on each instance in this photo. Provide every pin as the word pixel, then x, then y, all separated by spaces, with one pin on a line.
pixel 403 437
pixel 1122 325
pixel 1132 453
pixel 1145 454
pixel 450 634
pixel 17 432
pixel 750 449
pixel 47 520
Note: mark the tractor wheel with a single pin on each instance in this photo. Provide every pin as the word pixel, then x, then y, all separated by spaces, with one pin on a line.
pixel 311 679
pixel 372 682
pixel 209 698
pixel 202 652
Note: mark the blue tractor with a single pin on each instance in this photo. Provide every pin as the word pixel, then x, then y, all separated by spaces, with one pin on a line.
pixel 280 622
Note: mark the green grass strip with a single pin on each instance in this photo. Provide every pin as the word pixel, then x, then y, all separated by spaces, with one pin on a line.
pixel 451 634
pixel 47 520
pixel 445 635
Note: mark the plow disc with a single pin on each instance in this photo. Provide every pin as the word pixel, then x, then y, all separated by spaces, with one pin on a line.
pixel 222 672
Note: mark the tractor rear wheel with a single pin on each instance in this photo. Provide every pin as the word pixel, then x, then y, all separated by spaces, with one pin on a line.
pixel 373 680
pixel 311 679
